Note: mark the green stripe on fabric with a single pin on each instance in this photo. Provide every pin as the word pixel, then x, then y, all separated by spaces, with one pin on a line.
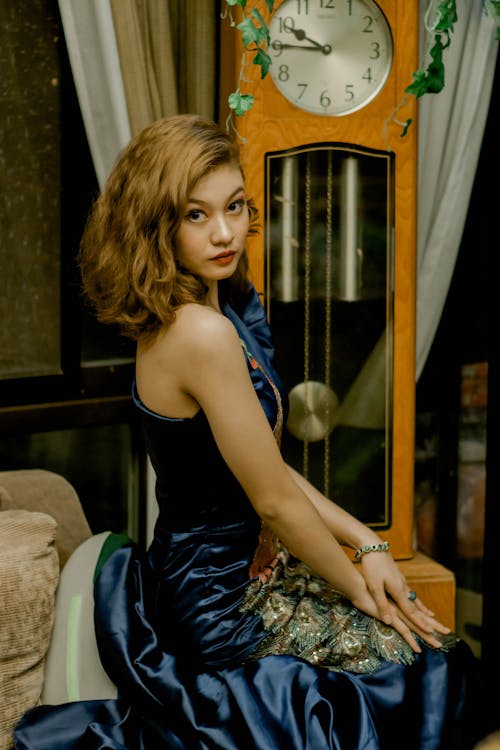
pixel 72 665
pixel 111 543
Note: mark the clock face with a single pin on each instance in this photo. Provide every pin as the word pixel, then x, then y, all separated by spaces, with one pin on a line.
pixel 330 57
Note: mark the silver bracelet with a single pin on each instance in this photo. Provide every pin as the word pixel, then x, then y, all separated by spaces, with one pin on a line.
pixel 382 547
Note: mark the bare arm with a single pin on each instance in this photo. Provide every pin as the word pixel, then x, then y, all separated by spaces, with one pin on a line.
pixel 345 527
pixel 381 574
pixel 212 370
pixel 218 379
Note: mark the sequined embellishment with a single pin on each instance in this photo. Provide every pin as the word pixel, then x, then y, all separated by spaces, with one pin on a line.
pixel 305 617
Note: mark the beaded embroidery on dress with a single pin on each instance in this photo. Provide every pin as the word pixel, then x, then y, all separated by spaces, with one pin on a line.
pixel 306 617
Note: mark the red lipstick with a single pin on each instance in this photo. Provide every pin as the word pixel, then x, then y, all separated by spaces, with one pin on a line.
pixel 224 259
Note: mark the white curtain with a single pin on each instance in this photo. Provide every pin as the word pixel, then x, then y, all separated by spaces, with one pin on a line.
pixel 451 126
pixel 136 60
pixel 93 54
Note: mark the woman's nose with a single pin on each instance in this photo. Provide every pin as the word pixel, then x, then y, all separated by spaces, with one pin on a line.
pixel 222 230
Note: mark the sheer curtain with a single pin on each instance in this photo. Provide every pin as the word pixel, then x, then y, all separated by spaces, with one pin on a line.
pixel 451 126
pixel 136 60
pixel 144 40
pixel 93 54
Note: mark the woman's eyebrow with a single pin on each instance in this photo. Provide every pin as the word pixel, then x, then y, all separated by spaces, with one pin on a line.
pixel 193 199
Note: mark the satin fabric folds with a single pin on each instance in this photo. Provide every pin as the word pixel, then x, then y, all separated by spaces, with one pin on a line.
pixel 174 638
pixel 275 702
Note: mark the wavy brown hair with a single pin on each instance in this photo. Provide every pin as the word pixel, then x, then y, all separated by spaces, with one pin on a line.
pixel 126 259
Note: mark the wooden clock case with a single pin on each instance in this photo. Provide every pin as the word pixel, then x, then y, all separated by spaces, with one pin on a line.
pixel 273 124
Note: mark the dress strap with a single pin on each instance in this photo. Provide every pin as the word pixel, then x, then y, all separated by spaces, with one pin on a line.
pixel 278 427
pixel 266 555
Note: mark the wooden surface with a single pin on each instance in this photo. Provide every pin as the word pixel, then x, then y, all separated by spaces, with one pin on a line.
pixel 434 584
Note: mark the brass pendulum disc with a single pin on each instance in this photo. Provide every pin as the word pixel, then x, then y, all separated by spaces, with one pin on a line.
pixel 312 411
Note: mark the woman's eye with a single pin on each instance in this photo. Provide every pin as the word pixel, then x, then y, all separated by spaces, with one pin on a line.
pixel 236 206
pixel 195 215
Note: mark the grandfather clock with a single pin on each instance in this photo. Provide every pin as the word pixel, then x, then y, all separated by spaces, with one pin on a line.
pixel 335 182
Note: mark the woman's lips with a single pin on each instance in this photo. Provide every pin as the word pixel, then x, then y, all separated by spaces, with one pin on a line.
pixel 224 259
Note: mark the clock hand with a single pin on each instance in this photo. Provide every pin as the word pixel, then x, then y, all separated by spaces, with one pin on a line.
pixel 324 48
pixel 300 35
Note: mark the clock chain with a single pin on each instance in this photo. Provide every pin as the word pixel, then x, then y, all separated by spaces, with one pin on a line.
pixel 328 313
pixel 307 297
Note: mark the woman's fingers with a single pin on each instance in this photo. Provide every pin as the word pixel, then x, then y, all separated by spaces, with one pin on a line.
pixel 395 619
pixel 408 630
pixel 402 628
pixel 410 621
pixel 421 606
pixel 430 637
pixel 420 616
pixel 385 611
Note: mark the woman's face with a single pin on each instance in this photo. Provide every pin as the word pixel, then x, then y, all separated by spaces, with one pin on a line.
pixel 214 227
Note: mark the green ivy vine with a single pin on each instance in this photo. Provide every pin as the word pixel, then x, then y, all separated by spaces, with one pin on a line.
pixel 493 8
pixel 428 79
pixel 255 40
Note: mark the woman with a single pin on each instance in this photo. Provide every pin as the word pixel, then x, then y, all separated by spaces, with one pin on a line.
pixel 223 636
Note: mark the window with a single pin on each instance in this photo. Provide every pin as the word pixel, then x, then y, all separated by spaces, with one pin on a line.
pixel 64 379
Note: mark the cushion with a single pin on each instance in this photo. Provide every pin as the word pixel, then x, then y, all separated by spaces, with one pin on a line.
pixel 47 492
pixel 73 669
pixel 29 573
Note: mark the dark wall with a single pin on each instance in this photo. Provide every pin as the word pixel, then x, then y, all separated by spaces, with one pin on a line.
pixel 466 334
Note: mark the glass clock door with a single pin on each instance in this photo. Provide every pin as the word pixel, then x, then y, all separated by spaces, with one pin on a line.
pixel 329 298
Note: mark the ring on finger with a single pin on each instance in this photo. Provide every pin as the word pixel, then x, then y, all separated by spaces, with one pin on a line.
pixel 412 595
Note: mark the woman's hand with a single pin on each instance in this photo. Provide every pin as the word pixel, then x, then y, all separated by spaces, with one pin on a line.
pixel 400 622
pixel 389 590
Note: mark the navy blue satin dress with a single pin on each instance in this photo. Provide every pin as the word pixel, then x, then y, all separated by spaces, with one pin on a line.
pixel 194 662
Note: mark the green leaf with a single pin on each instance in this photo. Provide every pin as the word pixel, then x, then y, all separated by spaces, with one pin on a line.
pixel 240 103
pixel 249 32
pixel 447 15
pixel 254 37
pixel 406 126
pixel 263 26
pixel 430 80
pixel 493 7
pixel 419 85
pixel 262 59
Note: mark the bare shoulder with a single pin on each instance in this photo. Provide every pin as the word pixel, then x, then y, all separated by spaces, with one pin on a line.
pixel 200 331
pixel 198 347
pixel 198 336
pixel 196 332
pixel 201 318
